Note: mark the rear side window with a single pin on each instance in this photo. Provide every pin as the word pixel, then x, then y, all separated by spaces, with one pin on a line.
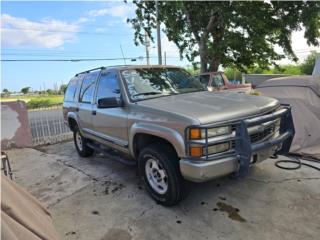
pixel 88 86
pixel 108 86
pixel 204 79
pixel 71 90
pixel 217 80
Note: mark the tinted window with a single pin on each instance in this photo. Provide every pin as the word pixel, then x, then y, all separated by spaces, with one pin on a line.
pixel 87 88
pixel 204 79
pixel 71 89
pixel 108 86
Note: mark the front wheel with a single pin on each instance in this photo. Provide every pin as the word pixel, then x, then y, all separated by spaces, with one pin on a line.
pixel 159 167
pixel 81 144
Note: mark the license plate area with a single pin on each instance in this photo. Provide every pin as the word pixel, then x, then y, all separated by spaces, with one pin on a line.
pixel 261 155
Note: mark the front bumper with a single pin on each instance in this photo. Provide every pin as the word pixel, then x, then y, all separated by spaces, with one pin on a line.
pixel 245 153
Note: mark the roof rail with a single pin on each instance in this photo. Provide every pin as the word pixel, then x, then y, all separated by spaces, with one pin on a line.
pixel 90 70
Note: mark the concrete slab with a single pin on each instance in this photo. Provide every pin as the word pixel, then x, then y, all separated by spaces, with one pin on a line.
pixel 103 199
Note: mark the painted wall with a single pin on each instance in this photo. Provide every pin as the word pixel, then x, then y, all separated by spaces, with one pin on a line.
pixel 15 129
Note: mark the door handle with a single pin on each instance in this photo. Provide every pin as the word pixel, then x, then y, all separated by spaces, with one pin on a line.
pixel 94 112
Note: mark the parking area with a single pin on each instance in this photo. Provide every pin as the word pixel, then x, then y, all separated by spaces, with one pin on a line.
pixel 99 198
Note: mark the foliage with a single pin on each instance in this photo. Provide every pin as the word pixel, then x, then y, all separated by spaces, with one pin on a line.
pixel 34 101
pixel 5 93
pixel 25 90
pixel 192 70
pixel 234 34
pixel 233 74
pixel 63 88
pixel 308 65
pixel 50 92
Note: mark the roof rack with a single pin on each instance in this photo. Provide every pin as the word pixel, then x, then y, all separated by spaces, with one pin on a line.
pixel 90 70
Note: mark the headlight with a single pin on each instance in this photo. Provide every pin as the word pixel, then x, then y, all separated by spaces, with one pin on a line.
pixel 196 133
pixel 218 148
pixel 212 132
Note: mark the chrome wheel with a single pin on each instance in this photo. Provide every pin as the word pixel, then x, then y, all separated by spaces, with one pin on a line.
pixel 79 141
pixel 156 176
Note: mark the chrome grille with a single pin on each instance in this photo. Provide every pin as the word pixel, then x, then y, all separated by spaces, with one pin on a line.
pixel 256 137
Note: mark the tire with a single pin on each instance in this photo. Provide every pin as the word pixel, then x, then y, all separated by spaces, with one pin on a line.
pixel 81 144
pixel 159 166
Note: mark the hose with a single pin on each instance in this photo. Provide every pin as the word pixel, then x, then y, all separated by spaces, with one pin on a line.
pixel 297 161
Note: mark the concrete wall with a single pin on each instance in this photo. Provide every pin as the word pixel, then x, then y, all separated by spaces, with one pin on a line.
pixel 15 130
pixel 256 79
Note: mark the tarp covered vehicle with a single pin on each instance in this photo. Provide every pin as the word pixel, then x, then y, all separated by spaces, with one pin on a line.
pixel 303 94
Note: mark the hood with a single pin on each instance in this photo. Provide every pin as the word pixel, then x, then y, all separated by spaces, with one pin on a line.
pixel 211 107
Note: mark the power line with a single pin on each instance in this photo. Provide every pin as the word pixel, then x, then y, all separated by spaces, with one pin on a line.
pixel 65 60
pixel 62 31
pixel 76 59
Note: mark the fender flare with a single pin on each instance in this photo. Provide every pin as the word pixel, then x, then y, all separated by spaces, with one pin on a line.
pixel 168 134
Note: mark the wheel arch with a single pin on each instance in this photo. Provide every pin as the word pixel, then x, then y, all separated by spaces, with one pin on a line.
pixel 145 134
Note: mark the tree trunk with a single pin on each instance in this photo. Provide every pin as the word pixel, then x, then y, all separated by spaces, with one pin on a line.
pixel 203 57
pixel 214 65
pixel 203 65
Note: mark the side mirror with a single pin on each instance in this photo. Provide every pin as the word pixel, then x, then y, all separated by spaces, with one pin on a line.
pixel 111 102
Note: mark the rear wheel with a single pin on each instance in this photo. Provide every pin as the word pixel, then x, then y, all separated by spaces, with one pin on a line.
pixel 159 167
pixel 81 144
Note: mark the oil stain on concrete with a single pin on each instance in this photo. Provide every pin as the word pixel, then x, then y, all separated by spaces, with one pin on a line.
pixel 233 212
pixel 117 234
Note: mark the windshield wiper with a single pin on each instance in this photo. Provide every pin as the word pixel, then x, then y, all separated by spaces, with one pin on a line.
pixel 146 93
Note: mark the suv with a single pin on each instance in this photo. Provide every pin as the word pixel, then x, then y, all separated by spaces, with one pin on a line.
pixel 172 127
pixel 219 81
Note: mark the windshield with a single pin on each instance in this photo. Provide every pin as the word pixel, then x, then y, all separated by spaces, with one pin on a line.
pixel 157 82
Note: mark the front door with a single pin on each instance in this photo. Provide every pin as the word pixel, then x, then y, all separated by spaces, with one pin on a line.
pixel 110 124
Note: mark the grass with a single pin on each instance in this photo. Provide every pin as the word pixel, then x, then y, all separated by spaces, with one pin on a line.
pixel 36 101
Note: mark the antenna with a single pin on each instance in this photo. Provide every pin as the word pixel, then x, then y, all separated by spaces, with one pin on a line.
pixel 124 59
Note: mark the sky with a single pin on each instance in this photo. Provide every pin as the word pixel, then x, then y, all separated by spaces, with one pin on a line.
pixel 73 30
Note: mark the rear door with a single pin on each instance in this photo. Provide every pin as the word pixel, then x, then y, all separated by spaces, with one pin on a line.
pixel 110 124
pixel 86 99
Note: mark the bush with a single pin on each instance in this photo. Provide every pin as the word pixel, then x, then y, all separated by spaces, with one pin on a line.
pixel 43 102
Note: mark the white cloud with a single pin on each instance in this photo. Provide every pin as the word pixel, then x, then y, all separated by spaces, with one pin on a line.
pixel 115 11
pixel 299 46
pixel 166 46
pixel 47 33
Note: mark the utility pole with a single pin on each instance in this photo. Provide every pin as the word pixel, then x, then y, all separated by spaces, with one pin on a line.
pixel 158 36
pixel 165 58
pixel 147 44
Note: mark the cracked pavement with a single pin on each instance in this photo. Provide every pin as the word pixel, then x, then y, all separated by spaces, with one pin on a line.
pixel 99 198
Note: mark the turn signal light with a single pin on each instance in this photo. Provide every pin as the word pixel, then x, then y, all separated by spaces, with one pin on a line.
pixel 196 151
pixel 195 133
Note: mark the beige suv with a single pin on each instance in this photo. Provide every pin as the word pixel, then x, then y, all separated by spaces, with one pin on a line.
pixel 172 127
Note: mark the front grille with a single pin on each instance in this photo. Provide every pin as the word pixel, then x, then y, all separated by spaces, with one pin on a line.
pixel 256 137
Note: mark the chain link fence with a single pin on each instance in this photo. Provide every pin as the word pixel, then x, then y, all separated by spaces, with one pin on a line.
pixel 47 125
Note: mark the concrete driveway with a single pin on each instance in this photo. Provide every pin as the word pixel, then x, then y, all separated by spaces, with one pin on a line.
pixel 99 198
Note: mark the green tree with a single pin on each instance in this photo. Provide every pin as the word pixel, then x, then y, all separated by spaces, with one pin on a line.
pixel 25 90
pixel 50 91
pixel 63 88
pixel 235 33
pixel 308 64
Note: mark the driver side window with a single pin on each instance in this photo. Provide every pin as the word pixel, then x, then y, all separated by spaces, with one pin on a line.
pixel 108 86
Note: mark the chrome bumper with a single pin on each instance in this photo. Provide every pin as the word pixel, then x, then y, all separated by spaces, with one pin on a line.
pixel 245 152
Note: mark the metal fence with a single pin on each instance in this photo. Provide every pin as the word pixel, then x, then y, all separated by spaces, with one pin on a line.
pixel 47 125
